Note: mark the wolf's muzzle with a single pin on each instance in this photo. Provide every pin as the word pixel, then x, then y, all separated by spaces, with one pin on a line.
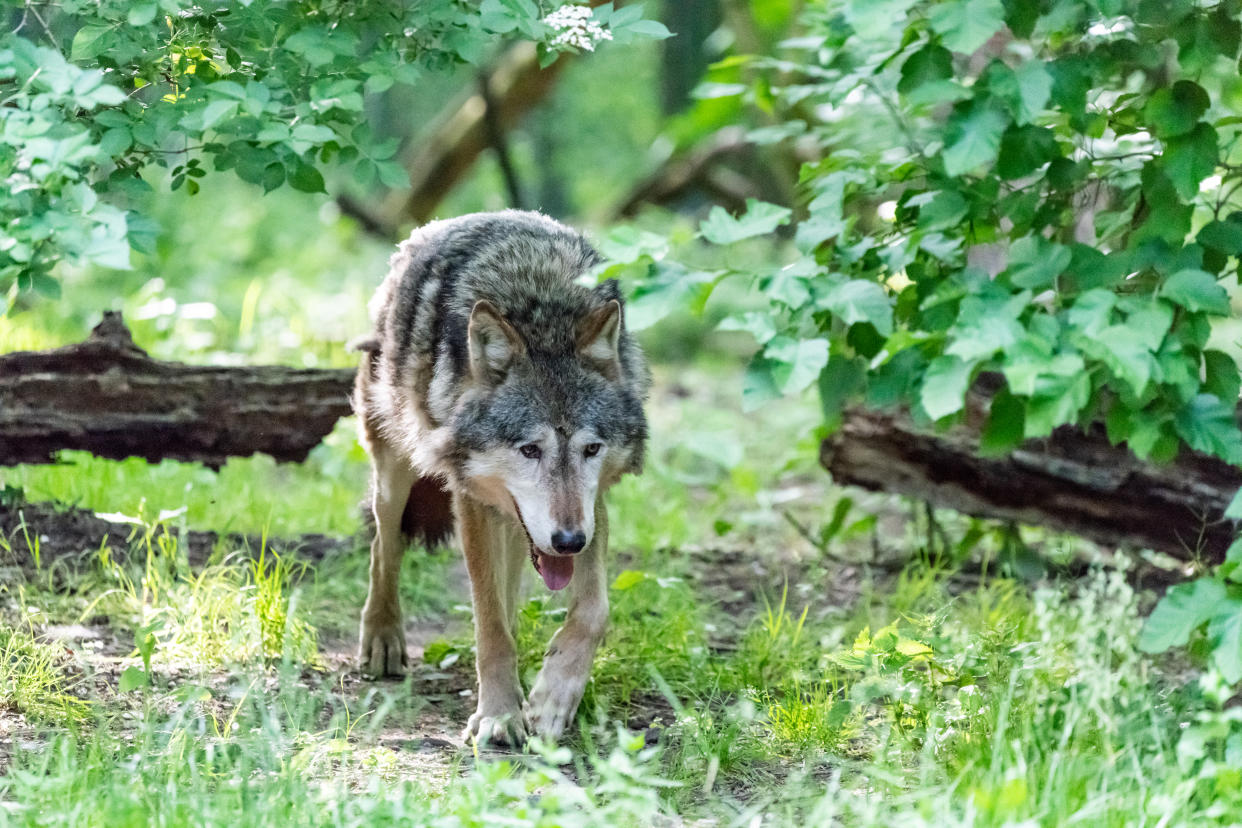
pixel 566 542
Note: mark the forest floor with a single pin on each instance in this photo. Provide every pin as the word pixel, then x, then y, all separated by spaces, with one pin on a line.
pixel 177 647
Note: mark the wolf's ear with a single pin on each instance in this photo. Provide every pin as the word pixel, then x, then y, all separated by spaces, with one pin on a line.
pixel 599 339
pixel 494 344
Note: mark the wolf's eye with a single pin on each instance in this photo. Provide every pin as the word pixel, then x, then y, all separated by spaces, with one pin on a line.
pixel 531 451
pixel 591 449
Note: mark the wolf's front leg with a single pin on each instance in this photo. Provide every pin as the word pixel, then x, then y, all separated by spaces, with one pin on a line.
pixel 381 649
pixel 495 553
pixel 567 664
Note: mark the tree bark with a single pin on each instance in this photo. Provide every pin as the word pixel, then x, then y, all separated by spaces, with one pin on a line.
pixel 1072 481
pixel 108 397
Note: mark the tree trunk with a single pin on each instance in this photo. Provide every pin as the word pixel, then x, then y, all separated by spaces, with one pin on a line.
pixel 106 396
pixel 1071 481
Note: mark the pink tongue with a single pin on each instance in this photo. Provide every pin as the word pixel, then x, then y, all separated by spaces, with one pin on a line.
pixel 556 570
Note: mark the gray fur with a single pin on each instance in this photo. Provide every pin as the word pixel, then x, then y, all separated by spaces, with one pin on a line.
pixel 419 391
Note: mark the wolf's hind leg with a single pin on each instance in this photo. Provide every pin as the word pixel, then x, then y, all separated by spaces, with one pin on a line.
pixel 567 664
pixel 382 639
pixel 495 553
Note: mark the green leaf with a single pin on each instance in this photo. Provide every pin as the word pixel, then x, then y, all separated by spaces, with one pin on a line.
pixel 965 25
pixel 1234 510
pixel 1183 609
pixel 1034 262
pixel 1221 375
pixel 215 112
pixel 1024 149
pixel 132 678
pixel 758 385
pixel 972 137
pixel 796 363
pixel 313 133
pixel 1057 401
pixel 140 14
pixel 758 324
pixel 944 386
pixel 1225 637
pixel 1124 349
pixel 985 326
pixel 1173 111
pixel 89 41
pixel 1210 425
pixel 1034 90
pixel 759 219
pixel 1225 236
pixel 306 178
pixel 843 378
pixel 1190 158
pixel 931 63
pixel 1005 427
pixel 628 578
pixel 1196 290
pixel 860 300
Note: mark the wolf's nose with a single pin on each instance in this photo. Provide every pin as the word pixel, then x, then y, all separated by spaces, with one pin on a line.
pixel 568 543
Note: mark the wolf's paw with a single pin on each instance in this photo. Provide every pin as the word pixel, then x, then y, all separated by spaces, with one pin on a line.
pixel 552 705
pixel 506 730
pixel 381 651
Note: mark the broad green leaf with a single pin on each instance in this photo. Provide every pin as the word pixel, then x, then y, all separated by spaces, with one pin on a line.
pixel 1225 637
pixel 132 678
pixel 1173 111
pixel 944 386
pixel 89 41
pixel 306 178
pixel 1225 236
pixel 1221 375
pixel 1057 401
pixel 796 363
pixel 140 14
pixel 1234 510
pixel 759 219
pixel 216 111
pixel 1034 262
pixel 1124 349
pixel 1038 374
pixel 1209 425
pixel 1024 149
pixel 965 25
pixel 1006 425
pixel 985 326
pixel 758 384
pixel 758 324
pixel 841 379
pixel 972 137
pixel 1196 290
pixel 1183 609
pixel 931 63
pixel 1034 89
pixel 860 300
pixel 1190 158
pixel 628 578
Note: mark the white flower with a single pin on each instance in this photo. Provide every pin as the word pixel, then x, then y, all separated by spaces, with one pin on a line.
pixel 575 29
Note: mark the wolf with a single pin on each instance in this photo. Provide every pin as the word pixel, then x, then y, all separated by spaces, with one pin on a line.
pixel 499 397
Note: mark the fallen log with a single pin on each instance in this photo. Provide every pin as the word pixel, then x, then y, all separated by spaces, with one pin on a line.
pixel 107 396
pixel 1072 481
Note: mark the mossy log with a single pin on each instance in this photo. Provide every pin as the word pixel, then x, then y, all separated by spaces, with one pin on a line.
pixel 1073 481
pixel 107 396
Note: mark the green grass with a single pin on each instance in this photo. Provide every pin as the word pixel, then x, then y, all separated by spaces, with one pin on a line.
pixel 33 680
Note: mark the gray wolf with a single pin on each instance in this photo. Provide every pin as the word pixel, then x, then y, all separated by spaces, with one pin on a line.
pixel 499 398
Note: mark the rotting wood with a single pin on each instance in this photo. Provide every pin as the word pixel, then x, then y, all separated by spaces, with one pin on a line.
pixel 107 396
pixel 1072 481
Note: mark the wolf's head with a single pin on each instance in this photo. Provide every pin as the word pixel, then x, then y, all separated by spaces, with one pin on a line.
pixel 554 417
